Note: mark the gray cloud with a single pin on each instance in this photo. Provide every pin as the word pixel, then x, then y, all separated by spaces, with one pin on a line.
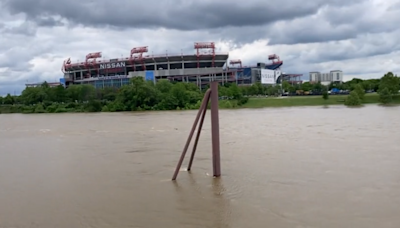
pixel 205 14
pixel 26 29
pixel 359 37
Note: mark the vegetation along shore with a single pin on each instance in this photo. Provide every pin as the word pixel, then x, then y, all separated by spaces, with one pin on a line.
pixel 142 95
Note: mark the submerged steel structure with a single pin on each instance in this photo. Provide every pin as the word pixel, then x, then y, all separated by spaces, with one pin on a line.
pixel 211 94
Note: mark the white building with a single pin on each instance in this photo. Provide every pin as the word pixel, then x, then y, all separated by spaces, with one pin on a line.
pixel 327 78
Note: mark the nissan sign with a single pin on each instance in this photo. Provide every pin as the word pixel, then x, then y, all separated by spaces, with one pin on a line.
pixel 111 65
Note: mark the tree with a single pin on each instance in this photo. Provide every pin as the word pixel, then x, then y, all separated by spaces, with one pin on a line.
pixel 391 82
pixel 360 91
pixel 318 87
pixel 353 99
pixel 367 85
pixel 285 86
pixel 272 90
pixel 8 100
pixel 325 95
pixel 235 91
pixel 306 86
pixel 385 96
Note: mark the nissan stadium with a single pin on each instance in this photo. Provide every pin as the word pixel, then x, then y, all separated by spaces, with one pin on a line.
pixel 201 68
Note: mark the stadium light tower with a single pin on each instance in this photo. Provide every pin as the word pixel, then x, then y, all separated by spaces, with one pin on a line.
pixel 205 45
pixel 137 53
pixel 236 62
pixel 92 56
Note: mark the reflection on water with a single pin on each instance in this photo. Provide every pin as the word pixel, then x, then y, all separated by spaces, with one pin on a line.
pixel 289 167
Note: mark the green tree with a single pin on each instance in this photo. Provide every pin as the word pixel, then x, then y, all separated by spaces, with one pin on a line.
pixel 285 86
pixel 385 96
pixel 107 94
pixel 272 90
pixel 325 95
pixel 235 92
pixel 391 82
pixel 9 100
pixel 306 86
pixel 360 91
pixel 318 87
pixel 353 99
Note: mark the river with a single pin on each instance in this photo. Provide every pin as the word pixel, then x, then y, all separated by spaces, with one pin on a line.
pixel 281 168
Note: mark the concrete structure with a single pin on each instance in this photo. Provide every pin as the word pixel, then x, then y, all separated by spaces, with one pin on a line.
pixel 291 78
pixel 51 84
pixel 201 68
pixel 326 78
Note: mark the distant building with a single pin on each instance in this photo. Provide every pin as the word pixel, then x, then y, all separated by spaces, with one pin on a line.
pixel 327 78
pixel 51 84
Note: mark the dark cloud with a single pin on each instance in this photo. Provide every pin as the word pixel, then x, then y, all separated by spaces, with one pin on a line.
pixel 25 29
pixel 353 49
pixel 49 22
pixel 179 14
pixel 334 24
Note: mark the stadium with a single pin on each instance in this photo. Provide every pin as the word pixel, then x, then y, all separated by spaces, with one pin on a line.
pixel 200 68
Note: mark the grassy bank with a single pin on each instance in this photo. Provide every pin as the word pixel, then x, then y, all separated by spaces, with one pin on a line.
pixel 309 101
pixel 223 104
pixel 86 107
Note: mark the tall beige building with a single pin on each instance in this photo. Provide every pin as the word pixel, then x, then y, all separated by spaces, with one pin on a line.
pixel 327 78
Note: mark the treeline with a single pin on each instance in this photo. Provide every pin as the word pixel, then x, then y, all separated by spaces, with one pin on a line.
pixel 315 88
pixel 139 95
pixel 387 87
pixel 142 95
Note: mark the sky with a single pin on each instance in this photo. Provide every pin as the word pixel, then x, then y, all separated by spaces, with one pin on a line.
pixel 359 37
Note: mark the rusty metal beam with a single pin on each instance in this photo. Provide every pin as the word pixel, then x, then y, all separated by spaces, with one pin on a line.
pixel 215 130
pixel 203 106
pixel 204 111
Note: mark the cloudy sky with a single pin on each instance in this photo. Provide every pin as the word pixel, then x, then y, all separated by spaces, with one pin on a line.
pixel 359 37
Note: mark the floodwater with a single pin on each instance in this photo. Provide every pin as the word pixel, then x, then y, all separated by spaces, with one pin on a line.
pixel 281 168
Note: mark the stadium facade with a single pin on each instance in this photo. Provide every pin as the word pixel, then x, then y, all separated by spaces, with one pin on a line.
pixel 200 68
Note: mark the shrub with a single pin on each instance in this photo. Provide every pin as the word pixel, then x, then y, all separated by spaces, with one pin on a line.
pixel 352 99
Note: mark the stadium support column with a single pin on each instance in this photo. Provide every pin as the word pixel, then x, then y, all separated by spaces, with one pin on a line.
pixel 233 63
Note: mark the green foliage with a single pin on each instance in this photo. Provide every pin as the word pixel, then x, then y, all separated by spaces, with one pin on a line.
pixel 9 100
pixel 385 96
pixel 138 95
pixel 360 91
pixel 389 87
pixel 325 95
pixel 391 82
pixel 353 99
pixel 164 95
pixel 39 109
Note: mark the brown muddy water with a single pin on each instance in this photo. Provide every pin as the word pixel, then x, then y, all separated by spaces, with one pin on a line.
pixel 281 168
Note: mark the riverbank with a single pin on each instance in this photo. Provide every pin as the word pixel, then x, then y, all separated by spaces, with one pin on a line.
pixel 372 98
pixel 263 102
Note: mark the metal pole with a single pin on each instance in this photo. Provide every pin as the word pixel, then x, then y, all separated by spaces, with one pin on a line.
pixel 203 105
pixel 215 130
pixel 198 132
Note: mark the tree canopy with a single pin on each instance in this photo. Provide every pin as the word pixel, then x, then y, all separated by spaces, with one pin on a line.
pixel 136 96
pixel 165 95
